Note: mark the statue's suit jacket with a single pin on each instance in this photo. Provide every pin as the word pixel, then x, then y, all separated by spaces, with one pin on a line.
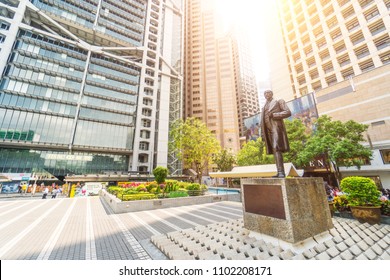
pixel 276 111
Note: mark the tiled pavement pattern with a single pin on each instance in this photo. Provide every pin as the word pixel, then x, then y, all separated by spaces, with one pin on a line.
pixel 86 229
pixel 228 240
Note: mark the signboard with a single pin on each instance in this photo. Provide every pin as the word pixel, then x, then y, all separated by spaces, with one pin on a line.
pixel 252 127
pixel 93 188
pixel 304 108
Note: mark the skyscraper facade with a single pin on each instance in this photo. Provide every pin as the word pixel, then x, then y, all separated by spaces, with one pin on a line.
pixel 245 81
pixel 209 74
pixel 88 86
pixel 341 51
pixel 219 84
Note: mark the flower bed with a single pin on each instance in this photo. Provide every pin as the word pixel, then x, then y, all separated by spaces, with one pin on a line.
pixel 152 190
pixel 119 206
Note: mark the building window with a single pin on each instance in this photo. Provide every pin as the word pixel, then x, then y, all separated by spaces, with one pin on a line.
pixel 343 60
pixel 382 42
pixel 4 25
pixel 348 12
pixel 347 73
pixel 331 80
pixel 364 3
pixel 328 67
pixel 357 37
pixel 316 86
pixel 371 13
pixel 385 156
pixel 342 2
pixel 377 27
pixel 144 146
pixel 353 24
pixel 366 65
pixel 385 57
pixel 362 51
pixel 314 74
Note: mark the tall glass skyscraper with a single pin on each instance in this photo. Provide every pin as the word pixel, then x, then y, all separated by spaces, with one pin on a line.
pixel 89 86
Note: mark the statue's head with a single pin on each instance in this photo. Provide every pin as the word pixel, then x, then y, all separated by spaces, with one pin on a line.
pixel 268 94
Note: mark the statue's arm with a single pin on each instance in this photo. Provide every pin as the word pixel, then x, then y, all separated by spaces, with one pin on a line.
pixel 285 111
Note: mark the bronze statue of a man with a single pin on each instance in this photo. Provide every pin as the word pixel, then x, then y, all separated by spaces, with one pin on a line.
pixel 273 130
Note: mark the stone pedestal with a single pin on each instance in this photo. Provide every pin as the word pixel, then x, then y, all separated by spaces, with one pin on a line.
pixel 291 210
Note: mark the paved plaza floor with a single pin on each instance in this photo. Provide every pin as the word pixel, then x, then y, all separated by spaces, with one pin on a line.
pixel 86 229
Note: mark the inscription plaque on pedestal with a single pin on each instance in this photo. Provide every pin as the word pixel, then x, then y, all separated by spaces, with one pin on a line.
pixel 266 200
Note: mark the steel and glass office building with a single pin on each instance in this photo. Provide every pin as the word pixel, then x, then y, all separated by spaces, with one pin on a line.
pixel 89 86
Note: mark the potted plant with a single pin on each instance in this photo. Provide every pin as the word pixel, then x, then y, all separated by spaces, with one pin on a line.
pixel 363 198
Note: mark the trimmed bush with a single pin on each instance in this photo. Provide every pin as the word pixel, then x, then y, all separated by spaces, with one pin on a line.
pixel 360 191
pixel 160 174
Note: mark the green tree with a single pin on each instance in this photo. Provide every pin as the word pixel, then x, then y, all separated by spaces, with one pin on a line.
pixel 160 174
pixel 194 144
pixel 338 143
pixel 297 138
pixel 254 153
pixel 224 160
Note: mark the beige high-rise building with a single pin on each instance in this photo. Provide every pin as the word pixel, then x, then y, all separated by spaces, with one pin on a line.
pixel 216 84
pixel 340 50
pixel 209 74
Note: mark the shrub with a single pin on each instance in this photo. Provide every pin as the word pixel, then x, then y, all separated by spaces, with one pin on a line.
pixel 151 186
pixel 160 174
pixel 177 194
pixel 115 190
pixel 360 191
pixel 193 187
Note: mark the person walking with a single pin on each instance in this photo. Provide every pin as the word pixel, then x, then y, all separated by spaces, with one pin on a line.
pixel 45 192
pixel 54 193
pixel 273 130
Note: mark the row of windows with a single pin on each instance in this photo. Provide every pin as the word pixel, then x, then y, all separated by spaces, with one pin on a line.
pixel 89 133
pixel 44 128
pixel 106 116
pixel 95 90
pixel 37 104
pixel 60 58
pixel 42 77
pixel 57 130
pixel 131 77
pixel 59 163
pixel 113 105
pixel 61 47
pixel 37 90
pixel 112 83
pixel 50 66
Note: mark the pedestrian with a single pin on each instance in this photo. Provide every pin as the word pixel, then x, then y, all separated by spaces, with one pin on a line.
pixel 24 188
pixel 45 192
pixel 20 189
pixel 54 192
pixel 273 130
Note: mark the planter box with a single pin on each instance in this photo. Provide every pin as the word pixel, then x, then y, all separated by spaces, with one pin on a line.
pixel 119 206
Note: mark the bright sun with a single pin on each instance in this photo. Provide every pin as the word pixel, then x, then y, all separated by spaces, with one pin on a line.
pixel 248 14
